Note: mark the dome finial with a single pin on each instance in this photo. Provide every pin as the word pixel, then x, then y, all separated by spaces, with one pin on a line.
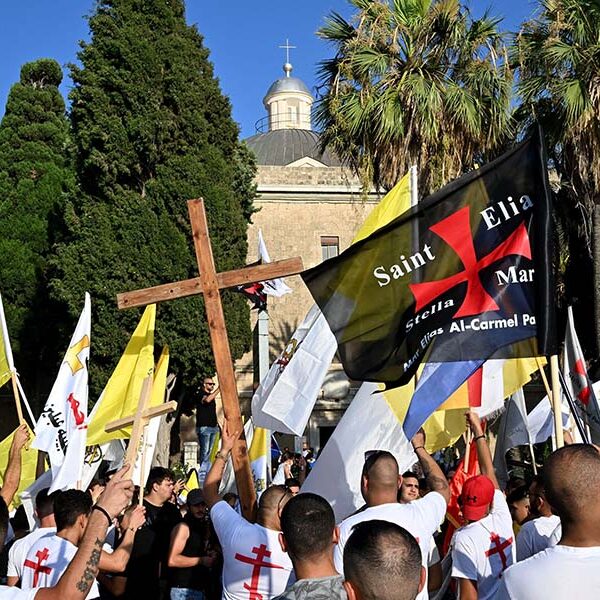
pixel 287 67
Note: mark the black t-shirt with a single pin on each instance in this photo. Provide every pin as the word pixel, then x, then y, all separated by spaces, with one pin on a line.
pixel 148 561
pixel 206 412
pixel 194 578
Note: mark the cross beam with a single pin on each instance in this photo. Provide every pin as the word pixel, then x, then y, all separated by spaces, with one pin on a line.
pixel 208 284
pixel 150 413
pixel 193 287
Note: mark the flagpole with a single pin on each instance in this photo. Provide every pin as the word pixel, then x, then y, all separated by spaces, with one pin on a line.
pixel 13 378
pixel 556 402
pixel 142 466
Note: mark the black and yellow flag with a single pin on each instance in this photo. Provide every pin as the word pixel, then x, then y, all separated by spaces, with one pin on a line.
pixel 465 275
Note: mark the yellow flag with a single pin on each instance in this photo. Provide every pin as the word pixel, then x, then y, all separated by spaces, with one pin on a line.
pixel 392 205
pixel 6 359
pixel 121 395
pixel 258 457
pixel 28 465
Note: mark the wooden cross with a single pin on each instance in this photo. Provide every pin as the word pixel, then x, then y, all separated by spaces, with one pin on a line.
pixel 139 421
pixel 209 284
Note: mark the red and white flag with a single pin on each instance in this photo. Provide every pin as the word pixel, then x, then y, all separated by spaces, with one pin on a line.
pixel 61 430
pixel 578 382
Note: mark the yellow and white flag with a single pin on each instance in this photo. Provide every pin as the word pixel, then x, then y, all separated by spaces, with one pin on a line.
pixel 285 398
pixel 62 426
pixel 121 395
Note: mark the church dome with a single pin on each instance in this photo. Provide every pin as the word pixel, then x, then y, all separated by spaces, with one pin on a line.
pixel 281 147
pixel 286 85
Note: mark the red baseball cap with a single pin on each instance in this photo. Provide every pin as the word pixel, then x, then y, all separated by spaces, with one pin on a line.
pixel 476 496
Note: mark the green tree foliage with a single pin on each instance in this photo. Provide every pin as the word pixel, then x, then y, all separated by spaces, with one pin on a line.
pixel 34 181
pixel 414 82
pixel 151 129
pixel 558 57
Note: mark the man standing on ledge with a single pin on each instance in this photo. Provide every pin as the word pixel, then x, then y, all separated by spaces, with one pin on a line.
pixel 206 418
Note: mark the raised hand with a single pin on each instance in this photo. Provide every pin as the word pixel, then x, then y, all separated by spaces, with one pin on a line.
pixel 118 493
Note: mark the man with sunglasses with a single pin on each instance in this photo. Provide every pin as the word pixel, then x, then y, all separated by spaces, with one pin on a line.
pixel 206 418
pixel 380 483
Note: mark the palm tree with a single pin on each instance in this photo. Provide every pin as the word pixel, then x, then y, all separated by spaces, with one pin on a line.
pixel 558 57
pixel 414 82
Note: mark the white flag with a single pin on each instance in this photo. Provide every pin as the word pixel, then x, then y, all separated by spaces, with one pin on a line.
pixel 368 424
pixel 62 427
pixel 519 429
pixel 285 398
pixel 272 287
pixel 578 382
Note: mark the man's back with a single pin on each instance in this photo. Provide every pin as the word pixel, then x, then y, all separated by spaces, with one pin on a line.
pixel 47 559
pixel 535 536
pixel 554 574
pixel 482 550
pixel 420 518
pixel 254 565
pixel 331 588
pixel 19 550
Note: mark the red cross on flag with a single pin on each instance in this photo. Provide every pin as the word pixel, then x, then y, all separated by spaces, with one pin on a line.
pixel 61 430
pixel 578 382
pixel 463 276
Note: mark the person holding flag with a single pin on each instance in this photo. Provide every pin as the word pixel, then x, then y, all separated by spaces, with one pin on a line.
pixel 483 548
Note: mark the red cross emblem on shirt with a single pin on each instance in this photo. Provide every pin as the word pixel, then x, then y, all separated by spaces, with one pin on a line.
pixel 499 548
pixel 455 230
pixel 37 567
pixel 257 564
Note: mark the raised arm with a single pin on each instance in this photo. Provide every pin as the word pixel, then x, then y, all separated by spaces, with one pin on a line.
pixel 76 581
pixel 211 397
pixel 116 561
pixel 484 455
pixel 12 475
pixel 214 476
pixel 433 473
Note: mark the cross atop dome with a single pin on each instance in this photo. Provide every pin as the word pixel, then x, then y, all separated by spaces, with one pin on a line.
pixel 287 67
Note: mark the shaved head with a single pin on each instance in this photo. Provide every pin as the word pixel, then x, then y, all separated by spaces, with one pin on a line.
pixel 271 504
pixel 381 471
pixel 572 481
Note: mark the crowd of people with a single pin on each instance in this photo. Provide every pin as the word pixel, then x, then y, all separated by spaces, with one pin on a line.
pixel 536 539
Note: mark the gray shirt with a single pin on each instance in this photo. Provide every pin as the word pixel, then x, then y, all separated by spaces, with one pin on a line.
pixel 323 588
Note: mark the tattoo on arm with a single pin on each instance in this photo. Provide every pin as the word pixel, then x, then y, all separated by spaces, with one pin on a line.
pixel 91 568
pixel 435 482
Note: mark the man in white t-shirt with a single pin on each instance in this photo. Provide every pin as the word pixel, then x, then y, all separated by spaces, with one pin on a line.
pixel 44 510
pixel 536 535
pixel 254 564
pixel 484 548
pixel 572 568
pixel 76 581
pixel 379 487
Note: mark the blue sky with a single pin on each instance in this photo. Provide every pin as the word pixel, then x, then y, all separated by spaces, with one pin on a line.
pixel 242 35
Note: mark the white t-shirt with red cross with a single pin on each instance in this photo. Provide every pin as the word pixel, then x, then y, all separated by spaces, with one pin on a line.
pixel 19 550
pixel 484 549
pixel 420 518
pixel 254 565
pixel 46 561
pixel 535 536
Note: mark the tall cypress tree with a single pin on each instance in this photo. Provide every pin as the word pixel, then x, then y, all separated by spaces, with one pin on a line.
pixel 35 178
pixel 151 130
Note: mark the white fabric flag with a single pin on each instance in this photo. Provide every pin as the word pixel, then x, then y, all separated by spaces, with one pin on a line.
pixel 368 424
pixel 516 429
pixel 62 427
pixel 272 287
pixel 285 398
pixel 578 382
pixel 148 444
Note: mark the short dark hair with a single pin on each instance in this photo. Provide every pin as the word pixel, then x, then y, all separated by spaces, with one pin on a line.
pixel 44 503
pixel 411 475
pixel 307 523
pixel 69 506
pixel 520 493
pixel 292 482
pixel 286 455
pixel 383 561
pixel 158 475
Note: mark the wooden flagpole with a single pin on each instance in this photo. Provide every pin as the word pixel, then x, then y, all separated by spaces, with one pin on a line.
pixel 142 465
pixel 13 379
pixel 556 402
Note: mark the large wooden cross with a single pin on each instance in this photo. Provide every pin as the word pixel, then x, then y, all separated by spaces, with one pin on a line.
pixel 209 284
